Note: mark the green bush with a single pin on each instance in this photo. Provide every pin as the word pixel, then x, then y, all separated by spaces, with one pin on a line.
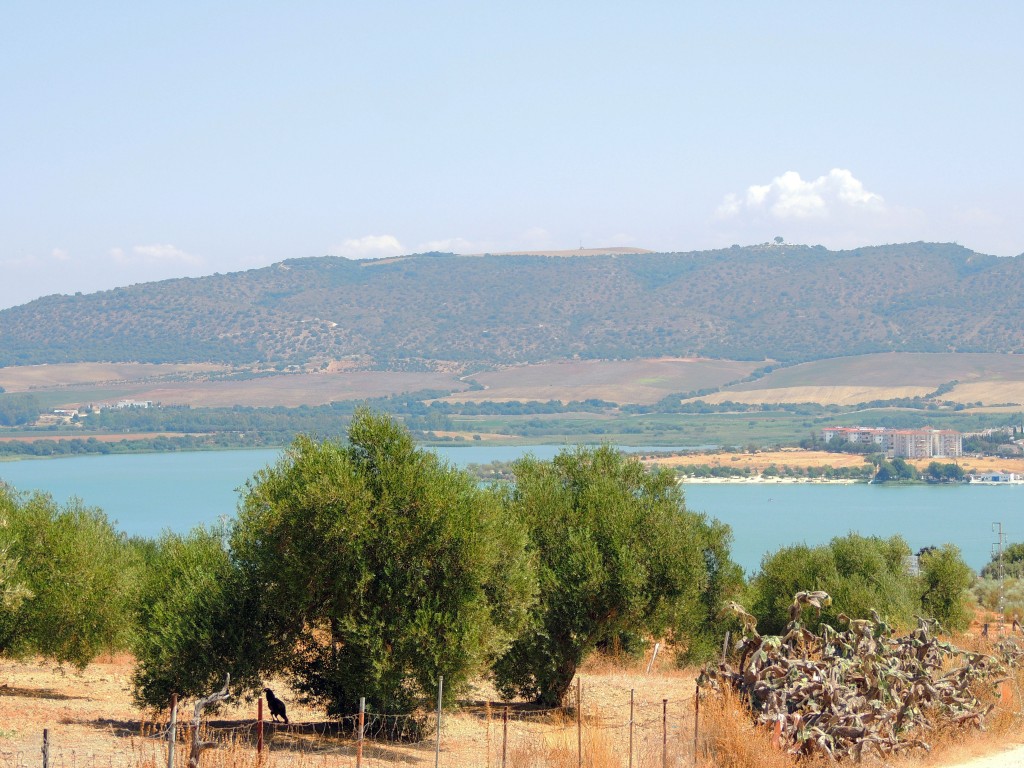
pixel 862 573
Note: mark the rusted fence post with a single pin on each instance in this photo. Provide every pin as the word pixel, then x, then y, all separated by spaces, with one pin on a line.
pixel 172 730
pixel 696 721
pixel 631 691
pixel 504 737
pixel 664 733
pixel 362 722
pixel 579 722
pixel 437 748
pixel 259 726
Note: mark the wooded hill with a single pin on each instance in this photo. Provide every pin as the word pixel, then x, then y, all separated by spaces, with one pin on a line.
pixel 783 302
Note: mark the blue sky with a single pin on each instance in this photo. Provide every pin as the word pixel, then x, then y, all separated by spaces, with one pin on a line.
pixel 142 141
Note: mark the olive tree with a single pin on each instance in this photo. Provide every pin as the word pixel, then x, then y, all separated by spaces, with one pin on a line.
pixel 197 620
pixel 380 568
pixel 617 552
pixel 67 580
pixel 946 578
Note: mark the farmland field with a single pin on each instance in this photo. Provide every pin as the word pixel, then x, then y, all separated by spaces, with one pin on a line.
pixel 618 381
pixel 208 385
pixel 988 378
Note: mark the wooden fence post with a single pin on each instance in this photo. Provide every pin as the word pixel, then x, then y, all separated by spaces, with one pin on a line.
pixel 259 725
pixel 46 748
pixel 172 730
pixel 198 746
pixel 359 742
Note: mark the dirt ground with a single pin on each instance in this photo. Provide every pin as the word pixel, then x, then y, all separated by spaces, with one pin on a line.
pixel 92 723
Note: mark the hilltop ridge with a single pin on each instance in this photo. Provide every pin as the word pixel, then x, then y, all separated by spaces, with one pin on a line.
pixel 773 301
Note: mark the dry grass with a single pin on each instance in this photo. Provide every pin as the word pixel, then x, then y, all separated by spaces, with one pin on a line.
pixel 619 381
pixel 295 389
pixel 986 378
pixel 92 724
pixel 23 378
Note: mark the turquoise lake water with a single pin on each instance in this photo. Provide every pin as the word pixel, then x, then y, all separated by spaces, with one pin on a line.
pixel 148 493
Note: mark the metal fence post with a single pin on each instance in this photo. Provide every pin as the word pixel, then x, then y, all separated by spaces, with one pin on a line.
pixel 504 736
pixel 631 691
pixel 579 721
pixel 696 721
pixel 437 748
pixel 664 733
pixel 362 722
pixel 259 725
pixel 172 730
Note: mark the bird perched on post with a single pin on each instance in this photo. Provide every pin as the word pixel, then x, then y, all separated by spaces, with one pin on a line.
pixel 277 708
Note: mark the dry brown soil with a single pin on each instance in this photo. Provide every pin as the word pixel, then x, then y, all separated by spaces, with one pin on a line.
pixel 92 723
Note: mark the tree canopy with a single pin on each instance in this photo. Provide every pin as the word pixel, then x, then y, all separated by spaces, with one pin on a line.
pixel 380 568
pixel 67 580
pixel 617 552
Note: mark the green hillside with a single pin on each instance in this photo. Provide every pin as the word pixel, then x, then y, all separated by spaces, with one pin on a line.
pixel 783 302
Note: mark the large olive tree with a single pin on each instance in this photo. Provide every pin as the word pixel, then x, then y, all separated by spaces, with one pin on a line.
pixel 380 568
pixel 617 552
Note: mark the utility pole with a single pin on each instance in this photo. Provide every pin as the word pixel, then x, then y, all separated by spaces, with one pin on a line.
pixel 997 555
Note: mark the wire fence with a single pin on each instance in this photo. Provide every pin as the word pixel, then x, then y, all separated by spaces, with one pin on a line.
pixel 632 733
pixel 629 732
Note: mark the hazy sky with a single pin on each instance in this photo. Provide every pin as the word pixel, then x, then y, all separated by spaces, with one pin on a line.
pixel 141 141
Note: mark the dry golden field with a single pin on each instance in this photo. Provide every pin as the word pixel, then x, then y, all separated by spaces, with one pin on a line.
pixel 199 385
pixel 619 381
pixel 988 378
pixel 760 461
pixel 25 378
pixel 91 723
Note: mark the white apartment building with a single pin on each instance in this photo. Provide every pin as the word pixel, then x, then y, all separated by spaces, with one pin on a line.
pixel 903 443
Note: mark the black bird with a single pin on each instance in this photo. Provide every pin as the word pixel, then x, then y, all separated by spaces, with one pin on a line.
pixel 277 708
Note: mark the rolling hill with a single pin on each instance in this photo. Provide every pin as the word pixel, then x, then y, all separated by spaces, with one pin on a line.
pixel 441 311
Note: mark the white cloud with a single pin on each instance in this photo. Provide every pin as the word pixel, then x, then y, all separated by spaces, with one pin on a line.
pixel 789 197
pixel 370 247
pixel 149 255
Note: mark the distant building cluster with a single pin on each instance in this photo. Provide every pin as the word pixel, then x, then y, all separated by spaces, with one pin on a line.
pixel 902 443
